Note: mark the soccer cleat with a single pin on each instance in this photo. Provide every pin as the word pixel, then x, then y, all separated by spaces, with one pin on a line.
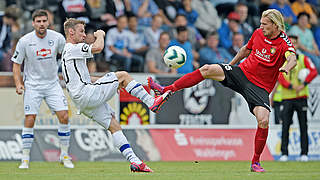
pixel 159 101
pixel 157 88
pixel 66 161
pixel 24 164
pixel 256 167
pixel 283 158
pixel 140 167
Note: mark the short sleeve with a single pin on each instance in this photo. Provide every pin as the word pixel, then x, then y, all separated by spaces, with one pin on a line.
pixel 19 53
pixel 61 43
pixel 80 51
pixel 250 42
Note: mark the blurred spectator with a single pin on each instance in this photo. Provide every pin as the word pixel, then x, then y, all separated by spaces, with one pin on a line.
pixel 317 36
pixel 224 7
pixel 237 43
pixel 51 21
pixel 117 44
pixel 104 12
pixel 77 9
pixel 189 12
pixel 300 6
pixel 182 41
pixel 152 33
pixel 208 19
pixel 154 57
pixel 194 36
pixel 9 35
pixel 306 40
pixel 242 10
pixel 169 8
pixel 138 43
pixel 286 11
pixel 265 4
pixel 228 28
pixel 212 54
pixel 144 10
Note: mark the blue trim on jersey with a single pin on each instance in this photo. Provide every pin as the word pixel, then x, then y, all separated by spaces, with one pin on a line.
pixel 137 85
pixel 64 133
pixel 124 147
pixel 27 136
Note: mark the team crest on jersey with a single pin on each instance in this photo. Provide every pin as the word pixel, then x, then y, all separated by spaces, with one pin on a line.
pixel 85 48
pixel 273 50
pixel 51 42
pixel 44 52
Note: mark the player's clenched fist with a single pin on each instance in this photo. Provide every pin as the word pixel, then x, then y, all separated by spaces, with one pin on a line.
pixel 99 33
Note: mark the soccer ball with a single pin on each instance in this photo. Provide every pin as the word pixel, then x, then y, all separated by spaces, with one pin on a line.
pixel 303 73
pixel 175 57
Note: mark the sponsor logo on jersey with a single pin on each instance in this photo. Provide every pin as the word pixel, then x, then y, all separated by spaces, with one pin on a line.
pixel 273 50
pixel 51 42
pixel 262 55
pixel 31 44
pixel 44 52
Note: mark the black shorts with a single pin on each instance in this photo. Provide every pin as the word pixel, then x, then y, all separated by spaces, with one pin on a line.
pixel 237 81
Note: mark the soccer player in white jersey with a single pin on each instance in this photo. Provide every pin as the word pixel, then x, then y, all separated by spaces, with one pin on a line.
pixel 39 49
pixel 90 94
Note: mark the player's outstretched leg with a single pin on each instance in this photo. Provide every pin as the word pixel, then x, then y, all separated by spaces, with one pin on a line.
pixel 64 137
pixel 136 89
pixel 185 81
pixel 121 142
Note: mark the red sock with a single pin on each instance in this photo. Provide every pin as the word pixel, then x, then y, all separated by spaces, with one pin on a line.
pixel 259 143
pixel 185 81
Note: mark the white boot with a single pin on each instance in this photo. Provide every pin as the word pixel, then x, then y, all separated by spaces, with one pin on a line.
pixel 304 158
pixel 24 164
pixel 66 161
pixel 283 158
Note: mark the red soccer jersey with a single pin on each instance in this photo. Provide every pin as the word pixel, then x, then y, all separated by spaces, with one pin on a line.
pixel 267 56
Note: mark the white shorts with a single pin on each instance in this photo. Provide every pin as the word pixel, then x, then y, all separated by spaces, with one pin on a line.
pixel 53 96
pixel 94 103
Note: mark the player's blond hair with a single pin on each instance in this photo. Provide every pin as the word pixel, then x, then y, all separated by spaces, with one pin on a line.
pixel 71 23
pixel 276 17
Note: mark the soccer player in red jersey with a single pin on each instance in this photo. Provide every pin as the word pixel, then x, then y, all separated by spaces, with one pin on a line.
pixel 265 53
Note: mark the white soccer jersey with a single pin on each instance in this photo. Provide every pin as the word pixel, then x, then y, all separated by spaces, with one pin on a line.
pixel 39 56
pixel 74 67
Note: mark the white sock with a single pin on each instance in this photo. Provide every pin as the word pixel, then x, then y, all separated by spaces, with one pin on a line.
pixel 27 140
pixel 121 142
pixel 137 90
pixel 64 137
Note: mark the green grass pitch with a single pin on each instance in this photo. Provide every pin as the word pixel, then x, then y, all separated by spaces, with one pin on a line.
pixel 163 170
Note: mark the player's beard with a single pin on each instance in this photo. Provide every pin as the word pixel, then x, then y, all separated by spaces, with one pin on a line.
pixel 42 31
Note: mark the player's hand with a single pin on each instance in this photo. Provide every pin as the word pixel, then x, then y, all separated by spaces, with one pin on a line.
pixel 20 89
pixel 99 33
pixel 282 69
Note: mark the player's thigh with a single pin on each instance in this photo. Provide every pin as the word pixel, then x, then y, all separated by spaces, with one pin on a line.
pixel 212 71
pixel 32 100
pixel 104 89
pixel 101 114
pixel 55 99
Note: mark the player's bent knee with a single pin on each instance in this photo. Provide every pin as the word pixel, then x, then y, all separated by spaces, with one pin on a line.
pixel 114 126
pixel 264 123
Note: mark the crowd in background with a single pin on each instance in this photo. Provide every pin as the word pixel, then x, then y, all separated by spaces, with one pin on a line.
pixel 139 31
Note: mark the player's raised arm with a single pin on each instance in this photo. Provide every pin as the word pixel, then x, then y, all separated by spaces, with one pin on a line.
pixel 98 45
pixel 243 53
